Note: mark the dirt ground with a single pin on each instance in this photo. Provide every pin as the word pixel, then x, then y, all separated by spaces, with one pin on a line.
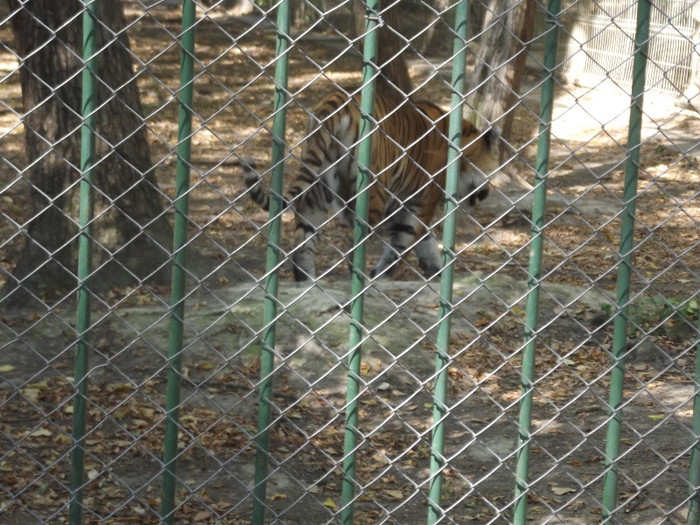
pixel 233 106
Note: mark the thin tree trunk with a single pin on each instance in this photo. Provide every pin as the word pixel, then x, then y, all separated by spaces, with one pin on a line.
pixel 131 232
pixel 508 26
pixel 393 79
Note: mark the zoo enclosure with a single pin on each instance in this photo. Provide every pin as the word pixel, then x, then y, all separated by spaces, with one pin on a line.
pixel 395 456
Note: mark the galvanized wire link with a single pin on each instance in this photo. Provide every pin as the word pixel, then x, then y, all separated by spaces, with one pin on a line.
pixel 280 417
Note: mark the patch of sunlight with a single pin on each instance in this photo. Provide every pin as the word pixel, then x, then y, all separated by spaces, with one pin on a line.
pixel 10 125
pixel 8 63
pixel 583 111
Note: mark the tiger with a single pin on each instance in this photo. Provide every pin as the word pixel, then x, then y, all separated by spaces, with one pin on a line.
pixel 405 189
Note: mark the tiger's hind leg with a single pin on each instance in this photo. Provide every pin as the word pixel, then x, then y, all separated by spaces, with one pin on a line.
pixel 311 211
pixel 308 220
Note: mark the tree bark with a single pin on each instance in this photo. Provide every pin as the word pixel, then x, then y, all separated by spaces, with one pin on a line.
pixel 508 26
pixel 393 79
pixel 239 7
pixel 131 233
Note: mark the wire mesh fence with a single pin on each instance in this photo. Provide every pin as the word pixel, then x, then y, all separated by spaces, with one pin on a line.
pixel 180 374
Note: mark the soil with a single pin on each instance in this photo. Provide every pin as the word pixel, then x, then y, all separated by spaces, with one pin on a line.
pixel 128 343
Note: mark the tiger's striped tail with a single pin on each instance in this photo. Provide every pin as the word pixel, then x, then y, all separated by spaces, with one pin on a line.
pixel 256 189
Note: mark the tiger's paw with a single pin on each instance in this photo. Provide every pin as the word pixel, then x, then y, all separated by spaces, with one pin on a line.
pixel 300 275
pixel 378 272
pixel 430 273
pixel 383 270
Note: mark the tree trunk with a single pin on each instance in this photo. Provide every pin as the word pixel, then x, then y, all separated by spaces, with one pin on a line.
pixel 440 17
pixel 508 26
pixel 239 7
pixel 132 235
pixel 393 79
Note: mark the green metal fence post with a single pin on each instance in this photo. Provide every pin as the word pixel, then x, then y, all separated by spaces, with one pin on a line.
pixel 619 345
pixel 87 160
pixel 442 358
pixel 177 315
pixel 364 177
pixel 694 475
pixel 535 264
pixel 267 358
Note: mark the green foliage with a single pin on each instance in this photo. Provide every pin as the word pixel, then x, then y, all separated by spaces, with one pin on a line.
pixel 607 310
pixel 671 316
pixel 689 309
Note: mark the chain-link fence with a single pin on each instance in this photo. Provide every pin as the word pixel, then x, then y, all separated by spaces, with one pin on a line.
pixel 160 363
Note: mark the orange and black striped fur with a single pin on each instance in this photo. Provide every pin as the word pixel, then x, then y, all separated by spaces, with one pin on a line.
pixel 406 189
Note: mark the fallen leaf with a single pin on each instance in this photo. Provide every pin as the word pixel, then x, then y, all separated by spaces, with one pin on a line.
pixel 394 494
pixel 32 394
pixel 202 516
pixel 330 504
pixel 146 412
pixel 7 368
pixel 560 491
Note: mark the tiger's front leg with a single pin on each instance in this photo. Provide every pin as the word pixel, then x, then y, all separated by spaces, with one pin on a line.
pixel 429 258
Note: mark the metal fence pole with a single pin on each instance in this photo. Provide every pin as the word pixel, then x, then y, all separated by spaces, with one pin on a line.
pixel 364 176
pixel 87 160
pixel 535 264
pixel 694 474
pixel 267 358
pixel 442 358
pixel 177 316
pixel 619 346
